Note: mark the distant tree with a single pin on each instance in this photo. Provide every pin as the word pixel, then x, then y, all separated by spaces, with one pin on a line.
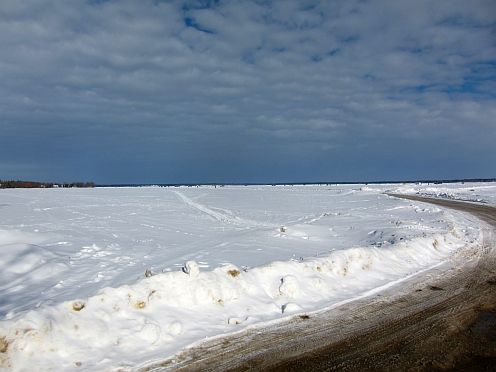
pixel 32 185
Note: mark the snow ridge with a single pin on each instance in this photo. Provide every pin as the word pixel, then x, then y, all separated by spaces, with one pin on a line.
pixel 161 314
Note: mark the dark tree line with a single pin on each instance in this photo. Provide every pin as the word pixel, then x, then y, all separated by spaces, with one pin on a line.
pixel 41 185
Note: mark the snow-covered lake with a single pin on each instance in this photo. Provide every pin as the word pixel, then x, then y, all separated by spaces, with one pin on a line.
pixel 72 263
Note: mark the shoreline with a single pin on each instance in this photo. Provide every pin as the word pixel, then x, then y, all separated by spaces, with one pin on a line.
pixel 444 320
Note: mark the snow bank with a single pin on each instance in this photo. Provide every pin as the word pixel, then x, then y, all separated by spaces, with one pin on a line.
pixel 478 192
pixel 161 314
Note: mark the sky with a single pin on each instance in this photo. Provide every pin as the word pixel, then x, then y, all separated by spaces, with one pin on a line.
pixel 247 91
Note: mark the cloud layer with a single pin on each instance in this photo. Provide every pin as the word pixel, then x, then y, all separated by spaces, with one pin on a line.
pixel 251 91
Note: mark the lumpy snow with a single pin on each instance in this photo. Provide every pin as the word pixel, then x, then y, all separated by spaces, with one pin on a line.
pixel 113 277
pixel 475 192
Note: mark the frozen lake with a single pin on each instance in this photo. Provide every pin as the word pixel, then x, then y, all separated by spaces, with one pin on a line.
pixel 60 243
pixel 263 252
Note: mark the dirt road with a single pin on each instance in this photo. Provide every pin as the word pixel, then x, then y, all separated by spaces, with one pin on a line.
pixel 444 320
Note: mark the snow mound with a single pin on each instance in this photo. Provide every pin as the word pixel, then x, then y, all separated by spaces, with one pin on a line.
pixel 478 192
pixel 25 264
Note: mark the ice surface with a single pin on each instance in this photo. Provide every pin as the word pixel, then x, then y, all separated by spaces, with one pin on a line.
pixel 73 290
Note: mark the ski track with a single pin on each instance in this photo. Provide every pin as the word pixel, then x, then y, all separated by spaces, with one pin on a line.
pixel 226 217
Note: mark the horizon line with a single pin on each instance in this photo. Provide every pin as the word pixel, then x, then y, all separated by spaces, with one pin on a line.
pixel 451 180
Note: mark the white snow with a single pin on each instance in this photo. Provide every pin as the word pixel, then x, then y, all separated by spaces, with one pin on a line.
pixel 478 192
pixel 73 291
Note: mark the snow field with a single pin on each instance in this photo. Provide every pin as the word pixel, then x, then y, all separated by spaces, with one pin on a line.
pixel 74 242
pixel 336 244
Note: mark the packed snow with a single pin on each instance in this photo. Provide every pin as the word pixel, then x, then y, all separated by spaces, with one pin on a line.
pixel 113 277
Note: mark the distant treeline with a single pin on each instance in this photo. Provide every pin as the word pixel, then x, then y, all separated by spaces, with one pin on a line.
pixel 41 185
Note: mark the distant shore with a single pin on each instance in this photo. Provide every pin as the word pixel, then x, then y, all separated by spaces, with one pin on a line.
pixel 7 184
pixel 42 185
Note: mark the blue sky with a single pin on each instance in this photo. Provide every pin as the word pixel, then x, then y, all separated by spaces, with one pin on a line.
pixel 247 91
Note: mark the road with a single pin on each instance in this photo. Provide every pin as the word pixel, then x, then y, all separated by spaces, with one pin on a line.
pixel 443 320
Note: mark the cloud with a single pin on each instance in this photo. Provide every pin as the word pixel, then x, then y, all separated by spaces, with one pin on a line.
pixel 202 90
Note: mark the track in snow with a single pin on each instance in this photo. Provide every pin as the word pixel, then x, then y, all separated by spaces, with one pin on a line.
pixel 226 217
